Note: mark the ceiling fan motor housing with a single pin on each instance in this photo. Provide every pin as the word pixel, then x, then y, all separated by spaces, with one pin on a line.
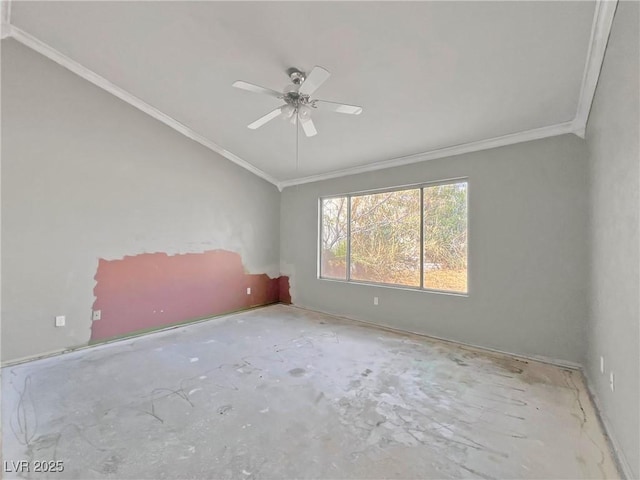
pixel 296 99
pixel 296 76
pixel 291 95
pixel 298 104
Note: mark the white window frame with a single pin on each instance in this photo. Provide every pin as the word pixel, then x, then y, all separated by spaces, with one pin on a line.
pixel 421 187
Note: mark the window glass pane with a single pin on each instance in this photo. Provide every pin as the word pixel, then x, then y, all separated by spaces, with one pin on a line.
pixel 333 256
pixel 385 237
pixel 445 237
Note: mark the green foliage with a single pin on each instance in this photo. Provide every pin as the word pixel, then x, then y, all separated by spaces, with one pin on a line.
pixel 334 237
pixel 340 248
pixel 445 226
pixel 385 234
pixel 385 237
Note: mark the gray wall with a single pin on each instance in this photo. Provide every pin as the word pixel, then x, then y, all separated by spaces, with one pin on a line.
pixel 86 176
pixel 528 259
pixel 614 163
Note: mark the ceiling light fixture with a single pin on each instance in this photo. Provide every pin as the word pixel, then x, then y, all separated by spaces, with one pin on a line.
pixel 298 102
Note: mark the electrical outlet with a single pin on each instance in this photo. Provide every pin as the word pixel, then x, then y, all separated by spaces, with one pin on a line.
pixel 375 300
pixel 60 321
pixel 248 290
pixel 612 383
pixel 97 315
pixel 601 364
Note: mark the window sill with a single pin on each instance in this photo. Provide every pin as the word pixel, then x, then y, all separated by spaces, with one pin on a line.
pixel 396 287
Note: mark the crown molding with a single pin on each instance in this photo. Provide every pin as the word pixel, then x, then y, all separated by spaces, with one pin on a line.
pixel 89 75
pixel 518 137
pixel 600 31
pixel 5 18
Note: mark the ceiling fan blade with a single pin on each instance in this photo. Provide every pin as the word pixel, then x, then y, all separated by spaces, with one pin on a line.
pixel 308 127
pixel 316 78
pixel 338 107
pixel 256 89
pixel 262 120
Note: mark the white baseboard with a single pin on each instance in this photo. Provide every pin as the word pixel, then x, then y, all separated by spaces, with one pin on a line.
pixel 622 463
pixel 534 358
pixel 618 453
pixel 124 338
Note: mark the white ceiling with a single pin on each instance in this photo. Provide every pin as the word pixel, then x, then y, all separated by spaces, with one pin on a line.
pixel 429 75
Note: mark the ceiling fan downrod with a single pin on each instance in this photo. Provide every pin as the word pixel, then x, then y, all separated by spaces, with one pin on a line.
pixel 297 77
pixel 297 102
pixel 291 94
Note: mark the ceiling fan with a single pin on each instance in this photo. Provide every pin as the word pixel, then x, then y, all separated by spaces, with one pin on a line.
pixel 298 104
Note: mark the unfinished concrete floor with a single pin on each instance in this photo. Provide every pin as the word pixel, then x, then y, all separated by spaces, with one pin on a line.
pixel 280 392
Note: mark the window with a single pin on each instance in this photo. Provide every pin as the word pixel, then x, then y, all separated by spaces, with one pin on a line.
pixel 334 238
pixel 385 237
pixel 445 237
pixel 415 237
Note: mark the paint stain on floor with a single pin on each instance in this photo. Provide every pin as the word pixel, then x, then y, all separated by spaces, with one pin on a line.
pixel 288 393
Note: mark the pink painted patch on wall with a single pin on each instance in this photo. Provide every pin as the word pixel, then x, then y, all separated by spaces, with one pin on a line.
pixel 153 290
